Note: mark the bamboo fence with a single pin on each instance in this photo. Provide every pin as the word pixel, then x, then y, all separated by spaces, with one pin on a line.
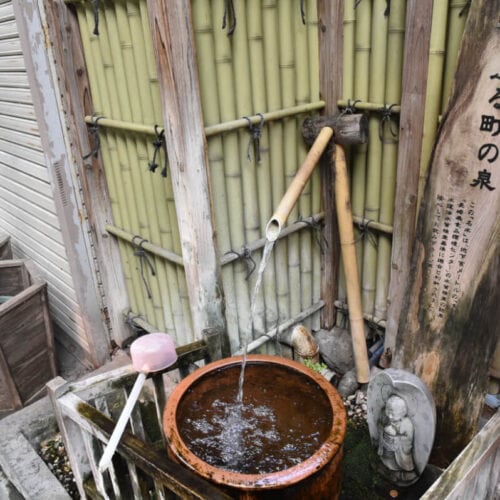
pixel 268 65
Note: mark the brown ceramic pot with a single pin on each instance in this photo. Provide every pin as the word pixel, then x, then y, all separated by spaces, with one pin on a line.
pixel 318 476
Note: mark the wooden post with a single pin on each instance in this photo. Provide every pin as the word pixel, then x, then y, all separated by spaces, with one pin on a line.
pixel 173 40
pixel 330 29
pixel 411 127
pixel 450 315
pixel 60 113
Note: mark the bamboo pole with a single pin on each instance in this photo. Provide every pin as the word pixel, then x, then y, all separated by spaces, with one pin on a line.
pixel 133 50
pixel 109 151
pixel 434 88
pixel 126 89
pixel 278 219
pixel 303 95
pixel 231 155
pixel 172 237
pixel 263 169
pixel 368 106
pixel 456 25
pixel 274 101
pixel 244 107
pixel 349 54
pixel 312 30
pixel 347 245
pixel 283 327
pixel 288 63
pixel 175 318
pixel 204 34
pixel 374 160
pixel 361 89
pixel 395 44
pixel 215 128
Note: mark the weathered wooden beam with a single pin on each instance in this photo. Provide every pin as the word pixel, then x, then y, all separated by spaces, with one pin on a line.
pixel 411 125
pixel 173 40
pixel 450 316
pixel 60 127
pixel 330 30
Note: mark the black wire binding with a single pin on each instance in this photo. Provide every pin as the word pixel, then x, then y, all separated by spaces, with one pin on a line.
pixel 255 136
pixel 247 255
pixel 94 132
pixel 143 256
pixel 229 15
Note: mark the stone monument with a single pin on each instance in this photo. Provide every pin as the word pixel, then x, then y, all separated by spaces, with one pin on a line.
pixel 402 422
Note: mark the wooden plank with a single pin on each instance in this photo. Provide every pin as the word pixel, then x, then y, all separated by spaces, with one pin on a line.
pixel 60 166
pixel 450 316
pixel 10 400
pixel 411 126
pixel 330 33
pixel 64 34
pixel 173 38
pixel 5 247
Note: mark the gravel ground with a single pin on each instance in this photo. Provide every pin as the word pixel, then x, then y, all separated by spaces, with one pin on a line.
pixel 355 406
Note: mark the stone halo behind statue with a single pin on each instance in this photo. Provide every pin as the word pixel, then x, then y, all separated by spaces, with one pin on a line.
pixel 402 422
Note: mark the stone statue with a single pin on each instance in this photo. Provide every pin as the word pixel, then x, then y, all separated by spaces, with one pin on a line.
pixel 395 446
pixel 402 420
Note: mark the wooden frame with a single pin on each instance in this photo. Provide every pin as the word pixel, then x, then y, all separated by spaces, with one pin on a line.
pixel 330 32
pixel 173 41
pixel 65 141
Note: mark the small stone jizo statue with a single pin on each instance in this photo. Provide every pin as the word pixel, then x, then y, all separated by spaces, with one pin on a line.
pixel 395 446
pixel 402 422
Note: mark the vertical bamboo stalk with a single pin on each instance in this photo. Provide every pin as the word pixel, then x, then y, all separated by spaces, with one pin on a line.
pixel 312 33
pixel 349 54
pixel 361 89
pixel 349 31
pixel 231 155
pixel 273 92
pixel 395 44
pixel 302 95
pixel 347 244
pixel 126 89
pixel 204 33
pixel 244 107
pixel 158 213
pixel 456 26
pixel 434 87
pixel 257 76
pixel 374 160
pixel 287 74
pixel 109 147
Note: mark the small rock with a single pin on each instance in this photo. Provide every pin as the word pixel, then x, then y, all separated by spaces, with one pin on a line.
pixel 348 384
pixel 363 406
pixel 360 397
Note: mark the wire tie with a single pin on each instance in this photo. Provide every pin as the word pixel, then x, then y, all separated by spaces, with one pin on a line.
pixel 351 107
pixel 255 136
pixel 386 119
pixel 366 233
pixel 157 143
pixel 95 4
pixel 94 132
pixel 302 12
pixel 230 15
pixel 143 257
pixel 247 255
pixel 319 237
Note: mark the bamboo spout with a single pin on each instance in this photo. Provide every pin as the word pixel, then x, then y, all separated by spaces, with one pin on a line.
pixel 277 221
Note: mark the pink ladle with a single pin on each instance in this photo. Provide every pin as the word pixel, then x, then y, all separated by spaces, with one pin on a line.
pixel 150 353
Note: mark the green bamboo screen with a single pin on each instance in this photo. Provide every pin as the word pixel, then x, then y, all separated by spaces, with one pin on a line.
pixel 269 62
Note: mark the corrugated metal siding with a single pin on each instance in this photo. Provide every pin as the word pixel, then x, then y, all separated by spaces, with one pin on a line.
pixel 27 210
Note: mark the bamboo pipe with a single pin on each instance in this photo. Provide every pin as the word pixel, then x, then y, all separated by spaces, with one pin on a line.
pixel 278 219
pixel 348 248
pixel 369 106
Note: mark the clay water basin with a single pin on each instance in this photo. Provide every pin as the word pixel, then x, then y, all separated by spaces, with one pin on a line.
pixel 283 441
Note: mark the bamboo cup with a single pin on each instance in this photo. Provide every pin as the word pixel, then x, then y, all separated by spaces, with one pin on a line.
pixel 348 249
pixel 275 224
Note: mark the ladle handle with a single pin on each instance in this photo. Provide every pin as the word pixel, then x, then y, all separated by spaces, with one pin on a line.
pixel 122 422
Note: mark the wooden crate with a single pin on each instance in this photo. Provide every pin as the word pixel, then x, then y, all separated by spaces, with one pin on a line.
pixel 27 359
